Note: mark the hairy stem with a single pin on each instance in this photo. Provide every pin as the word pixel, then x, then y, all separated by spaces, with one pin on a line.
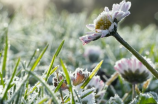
pixel 133 90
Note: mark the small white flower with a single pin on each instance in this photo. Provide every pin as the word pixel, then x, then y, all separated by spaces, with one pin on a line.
pixel 133 70
pixel 97 83
pixel 106 22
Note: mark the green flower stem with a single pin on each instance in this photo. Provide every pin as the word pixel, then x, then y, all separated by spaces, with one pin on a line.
pixel 133 90
pixel 136 54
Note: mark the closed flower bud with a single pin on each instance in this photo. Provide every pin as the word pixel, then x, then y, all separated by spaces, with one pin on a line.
pixel 133 70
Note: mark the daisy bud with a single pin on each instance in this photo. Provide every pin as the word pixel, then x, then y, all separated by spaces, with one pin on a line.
pixel 132 70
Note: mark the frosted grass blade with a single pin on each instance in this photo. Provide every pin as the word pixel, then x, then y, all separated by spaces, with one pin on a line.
pixel 43 100
pixel 68 80
pixel 2 75
pixel 44 84
pixel 95 70
pixel 31 58
pixel 39 58
pixel 59 85
pixel 53 59
pixel 11 79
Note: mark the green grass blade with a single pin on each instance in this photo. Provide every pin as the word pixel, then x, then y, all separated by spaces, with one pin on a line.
pixel 53 70
pixel 31 58
pixel 0 54
pixel 5 56
pixel 53 59
pixel 95 70
pixel 68 80
pixel 4 59
pixel 43 100
pixel 27 88
pixel 59 85
pixel 78 97
pixel 44 84
pixel 66 72
pixel 11 79
pixel 59 48
pixel 51 65
pixel 39 58
pixel 68 99
pixel 19 89
pixel 34 88
pixel 88 93
pixel 1 82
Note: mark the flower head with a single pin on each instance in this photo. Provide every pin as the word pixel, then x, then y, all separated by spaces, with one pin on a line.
pixel 133 70
pixel 97 83
pixel 106 23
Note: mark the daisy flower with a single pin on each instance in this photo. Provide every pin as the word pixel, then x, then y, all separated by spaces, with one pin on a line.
pixel 106 23
pixel 133 70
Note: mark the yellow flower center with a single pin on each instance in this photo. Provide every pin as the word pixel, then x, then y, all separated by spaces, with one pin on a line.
pixel 103 24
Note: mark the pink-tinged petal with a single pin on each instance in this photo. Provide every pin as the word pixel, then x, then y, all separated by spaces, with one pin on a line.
pixel 90 27
pixel 85 40
pixel 88 38
pixel 98 30
pixel 115 7
pixel 116 68
pixel 91 37
pixel 114 15
pixel 129 63
pixel 140 64
pixel 111 28
pixel 106 9
pixel 109 17
pixel 126 14
pixel 104 33
pixel 128 5
pixel 119 15
pixel 134 63
pixel 120 66
pixel 123 7
pixel 120 11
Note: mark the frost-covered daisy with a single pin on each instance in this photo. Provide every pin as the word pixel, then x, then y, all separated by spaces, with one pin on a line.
pixel 133 70
pixel 106 23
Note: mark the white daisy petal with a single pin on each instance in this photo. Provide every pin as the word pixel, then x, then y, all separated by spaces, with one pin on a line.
pixel 106 9
pixel 111 27
pixel 104 33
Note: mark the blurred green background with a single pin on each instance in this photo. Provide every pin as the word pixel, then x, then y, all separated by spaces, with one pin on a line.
pixel 143 12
